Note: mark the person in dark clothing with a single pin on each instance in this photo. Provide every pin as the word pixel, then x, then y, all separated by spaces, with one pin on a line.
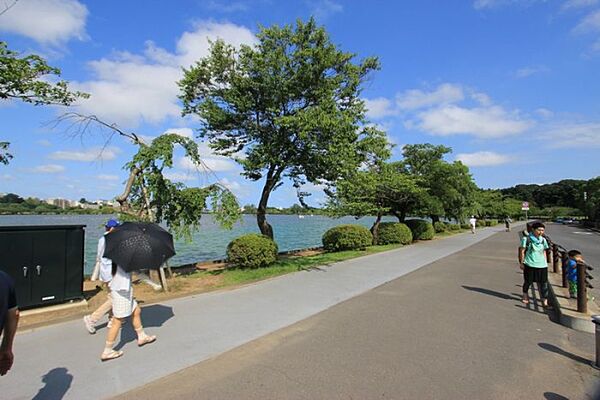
pixel 9 319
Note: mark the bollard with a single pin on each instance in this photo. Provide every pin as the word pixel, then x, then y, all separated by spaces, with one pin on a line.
pixel 596 321
pixel 581 289
pixel 564 257
pixel 555 259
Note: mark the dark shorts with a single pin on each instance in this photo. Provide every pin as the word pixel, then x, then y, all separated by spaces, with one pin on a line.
pixel 538 275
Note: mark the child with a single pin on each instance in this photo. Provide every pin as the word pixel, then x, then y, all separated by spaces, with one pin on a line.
pixel 571 267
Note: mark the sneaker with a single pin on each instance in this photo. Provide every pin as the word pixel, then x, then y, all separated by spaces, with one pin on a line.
pixel 109 324
pixel 89 325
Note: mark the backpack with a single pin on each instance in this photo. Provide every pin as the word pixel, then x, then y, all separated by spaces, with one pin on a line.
pixel 525 234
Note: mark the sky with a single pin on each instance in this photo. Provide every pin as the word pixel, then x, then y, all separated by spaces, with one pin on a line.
pixel 510 85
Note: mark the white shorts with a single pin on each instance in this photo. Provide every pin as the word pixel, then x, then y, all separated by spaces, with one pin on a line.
pixel 123 303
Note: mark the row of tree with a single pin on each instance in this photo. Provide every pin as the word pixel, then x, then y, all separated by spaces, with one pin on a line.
pixel 288 109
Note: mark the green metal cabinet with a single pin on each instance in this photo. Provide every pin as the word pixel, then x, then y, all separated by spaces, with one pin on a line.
pixel 46 262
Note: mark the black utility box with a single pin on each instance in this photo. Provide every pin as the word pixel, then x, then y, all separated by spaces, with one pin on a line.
pixel 45 261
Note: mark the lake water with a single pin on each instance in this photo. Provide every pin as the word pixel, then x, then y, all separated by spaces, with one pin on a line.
pixel 210 242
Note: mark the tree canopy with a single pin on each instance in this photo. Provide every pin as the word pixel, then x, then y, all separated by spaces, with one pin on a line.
pixel 290 104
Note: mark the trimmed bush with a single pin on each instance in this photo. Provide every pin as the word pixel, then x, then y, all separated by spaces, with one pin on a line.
pixel 480 223
pixel 488 222
pixel 454 227
pixel 347 237
pixel 493 222
pixel 421 229
pixel 394 232
pixel 439 227
pixel 252 251
pixel 465 226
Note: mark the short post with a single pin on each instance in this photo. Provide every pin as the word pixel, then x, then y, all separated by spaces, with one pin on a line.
pixel 555 259
pixel 596 321
pixel 581 288
pixel 564 258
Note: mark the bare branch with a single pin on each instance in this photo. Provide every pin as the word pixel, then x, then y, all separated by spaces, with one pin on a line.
pixel 8 6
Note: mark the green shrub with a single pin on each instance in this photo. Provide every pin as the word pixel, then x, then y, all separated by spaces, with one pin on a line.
pixel 421 229
pixel 394 232
pixel 480 223
pixel 493 222
pixel 252 251
pixel 347 237
pixel 439 227
pixel 454 227
pixel 465 226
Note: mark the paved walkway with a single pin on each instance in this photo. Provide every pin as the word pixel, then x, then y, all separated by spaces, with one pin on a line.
pixel 61 361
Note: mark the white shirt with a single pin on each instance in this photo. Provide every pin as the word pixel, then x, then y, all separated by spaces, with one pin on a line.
pixel 103 265
pixel 473 221
pixel 121 280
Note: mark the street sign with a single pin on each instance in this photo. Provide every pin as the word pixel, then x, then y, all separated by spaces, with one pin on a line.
pixel 525 206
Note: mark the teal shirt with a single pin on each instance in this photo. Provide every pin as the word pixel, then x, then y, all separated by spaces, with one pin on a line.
pixel 535 257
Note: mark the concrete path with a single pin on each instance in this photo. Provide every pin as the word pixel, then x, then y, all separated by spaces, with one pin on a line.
pixel 455 329
pixel 62 361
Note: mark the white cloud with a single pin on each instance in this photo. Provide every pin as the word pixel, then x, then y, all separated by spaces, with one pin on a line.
pixel 575 4
pixel 234 186
pixel 483 122
pixel 132 88
pixel 91 154
pixel 322 9
pixel 7 177
pixel 483 4
pixel 224 6
pixel 44 142
pixel 185 132
pixel 590 23
pixel 483 159
pixel 528 71
pixel 52 22
pixel 573 135
pixel 379 108
pixel 104 177
pixel 48 169
pixel 210 161
pixel 544 112
pixel 446 93
pixel 481 98
pixel 180 176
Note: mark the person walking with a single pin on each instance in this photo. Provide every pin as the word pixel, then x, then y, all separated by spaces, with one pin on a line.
pixel 123 306
pixel 533 261
pixel 9 320
pixel 102 270
pixel 473 223
pixel 507 222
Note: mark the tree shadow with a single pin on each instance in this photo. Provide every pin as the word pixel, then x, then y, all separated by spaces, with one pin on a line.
pixel 154 315
pixel 554 396
pixel 558 350
pixel 489 292
pixel 56 384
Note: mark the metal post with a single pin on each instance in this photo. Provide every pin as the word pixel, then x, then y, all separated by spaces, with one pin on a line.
pixel 596 321
pixel 581 289
pixel 555 259
pixel 564 257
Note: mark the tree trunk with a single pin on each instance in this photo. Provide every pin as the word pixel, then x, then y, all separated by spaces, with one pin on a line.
pixel 435 218
pixel 375 228
pixel 261 211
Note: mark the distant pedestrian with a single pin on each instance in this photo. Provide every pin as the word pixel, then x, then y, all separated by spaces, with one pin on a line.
pixel 575 257
pixel 102 269
pixel 9 319
pixel 533 256
pixel 473 223
pixel 507 222
pixel 123 306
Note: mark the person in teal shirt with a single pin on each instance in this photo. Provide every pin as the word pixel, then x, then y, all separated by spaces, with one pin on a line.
pixel 533 260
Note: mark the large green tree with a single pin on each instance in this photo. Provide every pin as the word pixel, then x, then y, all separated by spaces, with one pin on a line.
pixel 290 104
pixel 379 190
pixel 25 78
pixel 449 186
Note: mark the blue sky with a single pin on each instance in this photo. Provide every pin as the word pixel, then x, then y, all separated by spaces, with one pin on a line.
pixel 512 86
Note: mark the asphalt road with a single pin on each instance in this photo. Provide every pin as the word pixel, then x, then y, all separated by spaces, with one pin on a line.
pixel 585 240
pixel 454 329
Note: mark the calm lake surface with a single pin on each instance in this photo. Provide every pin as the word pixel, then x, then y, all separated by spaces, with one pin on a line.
pixel 210 242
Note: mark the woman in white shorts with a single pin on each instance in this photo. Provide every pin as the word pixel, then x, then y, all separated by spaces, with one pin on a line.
pixel 123 305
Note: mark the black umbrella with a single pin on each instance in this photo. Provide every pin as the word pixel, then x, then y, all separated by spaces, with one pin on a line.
pixel 139 245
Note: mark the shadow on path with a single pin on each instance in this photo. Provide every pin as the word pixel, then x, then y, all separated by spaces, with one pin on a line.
pixel 152 316
pixel 57 382
pixel 554 396
pixel 489 292
pixel 558 350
